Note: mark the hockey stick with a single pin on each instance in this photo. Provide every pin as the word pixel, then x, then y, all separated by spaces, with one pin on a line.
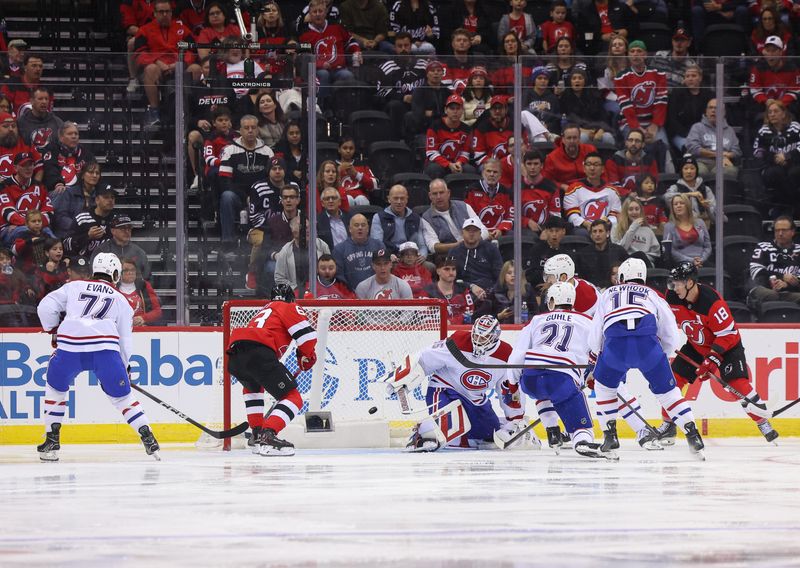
pixel 759 405
pixel 784 408
pixel 504 444
pixel 219 435
pixel 636 412
pixel 462 359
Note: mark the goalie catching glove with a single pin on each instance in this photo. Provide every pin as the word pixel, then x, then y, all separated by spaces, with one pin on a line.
pixel 305 363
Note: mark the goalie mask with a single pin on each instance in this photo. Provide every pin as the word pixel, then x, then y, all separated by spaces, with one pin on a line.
pixel 107 263
pixel 485 335
pixel 557 266
pixel 282 292
pixel 560 294
pixel 633 269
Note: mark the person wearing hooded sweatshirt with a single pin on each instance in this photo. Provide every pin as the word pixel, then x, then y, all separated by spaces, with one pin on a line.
pixel 701 142
pixel 704 204
pixel 478 262
pixel 564 165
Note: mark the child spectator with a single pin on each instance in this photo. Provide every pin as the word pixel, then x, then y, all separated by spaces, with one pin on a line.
pixel 221 135
pixel 654 210
pixel 476 95
pixel 521 23
pixel 52 273
pixel 557 27
pixel 356 181
pixel 412 269
pixel 140 295
pixel 29 245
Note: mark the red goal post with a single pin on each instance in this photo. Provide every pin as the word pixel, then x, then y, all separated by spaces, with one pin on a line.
pixel 359 341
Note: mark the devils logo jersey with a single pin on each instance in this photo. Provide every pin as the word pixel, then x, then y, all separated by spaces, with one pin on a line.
pixel 495 209
pixel 330 44
pixel 7 155
pixel 15 201
pixel 585 203
pixel 707 323
pixel 540 201
pixel 490 141
pixel 444 145
pixel 642 97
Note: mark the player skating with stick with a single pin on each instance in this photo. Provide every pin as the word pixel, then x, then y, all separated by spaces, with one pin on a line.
pixel 254 355
pixel 95 335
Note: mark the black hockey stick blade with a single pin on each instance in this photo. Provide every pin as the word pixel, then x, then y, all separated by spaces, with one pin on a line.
pixel 785 407
pixel 503 445
pixel 462 359
pixel 218 434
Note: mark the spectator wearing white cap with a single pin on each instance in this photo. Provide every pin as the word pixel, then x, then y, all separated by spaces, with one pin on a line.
pixel 11 61
pixel 774 76
pixel 478 262
pixel 412 268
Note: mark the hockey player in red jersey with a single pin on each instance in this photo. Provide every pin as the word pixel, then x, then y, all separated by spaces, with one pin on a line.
pixel 713 343
pixel 254 359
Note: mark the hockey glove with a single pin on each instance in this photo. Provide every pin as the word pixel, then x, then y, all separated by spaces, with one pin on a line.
pixel 588 376
pixel 305 363
pixel 511 401
pixel 709 367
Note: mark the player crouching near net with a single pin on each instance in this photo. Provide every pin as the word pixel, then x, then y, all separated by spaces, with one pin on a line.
pixel 95 335
pixel 558 338
pixel 713 347
pixel 634 328
pixel 461 413
pixel 254 359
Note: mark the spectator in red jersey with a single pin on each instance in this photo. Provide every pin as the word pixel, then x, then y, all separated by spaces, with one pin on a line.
pixel 490 137
pixel 557 26
pixel 14 292
pixel 476 95
pixel 20 194
pixel 447 142
pixel 491 201
pixel 5 104
pixel 775 76
pixel 520 24
pixel 15 57
pixel 460 63
pixel 626 166
pixel 329 287
pixel 541 198
pixel 194 15
pixel 18 89
pixel 654 209
pixel 473 17
pixel 356 181
pixel 413 269
pixel 65 159
pixel 39 126
pixel 215 27
pixel 156 47
pixel 219 134
pixel 51 274
pixel 503 69
pixel 769 24
pixel 12 145
pixel 564 164
pixel 140 295
pixel 135 14
pixel 272 30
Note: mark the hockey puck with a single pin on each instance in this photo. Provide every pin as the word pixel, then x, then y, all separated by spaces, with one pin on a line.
pixel 373 410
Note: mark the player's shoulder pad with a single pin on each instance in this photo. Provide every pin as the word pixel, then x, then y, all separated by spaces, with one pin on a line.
pixel 463 340
pixel 503 351
pixel 707 298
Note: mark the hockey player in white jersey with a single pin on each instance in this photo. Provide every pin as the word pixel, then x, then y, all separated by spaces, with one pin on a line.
pixel 634 328
pixel 473 420
pixel 95 335
pixel 558 338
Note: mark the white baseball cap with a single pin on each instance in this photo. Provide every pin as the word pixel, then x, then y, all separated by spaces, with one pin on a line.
pixel 774 40
pixel 472 222
pixel 408 245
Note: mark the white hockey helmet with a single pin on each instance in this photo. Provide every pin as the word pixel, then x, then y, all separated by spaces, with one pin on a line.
pixel 633 269
pixel 485 335
pixel 107 263
pixel 558 265
pixel 559 294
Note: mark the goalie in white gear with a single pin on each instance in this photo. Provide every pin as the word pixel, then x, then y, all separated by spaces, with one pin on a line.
pixel 95 335
pixel 472 419
pixel 558 338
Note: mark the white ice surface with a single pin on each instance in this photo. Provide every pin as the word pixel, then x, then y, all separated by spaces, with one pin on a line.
pixel 114 506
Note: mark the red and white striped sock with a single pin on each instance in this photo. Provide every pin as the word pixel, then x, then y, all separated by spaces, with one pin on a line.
pixel 254 406
pixel 284 411
pixel 547 413
pixel 131 410
pixel 55 405
pixel 676 406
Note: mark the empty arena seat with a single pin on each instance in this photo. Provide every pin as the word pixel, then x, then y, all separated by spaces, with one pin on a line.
pixel 779 312
pixel 459 183
pixel 389 157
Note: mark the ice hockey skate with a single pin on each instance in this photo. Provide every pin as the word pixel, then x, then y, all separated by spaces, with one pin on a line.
pixel 417 444
pixel 593 450
pixel 149 441
pixel 770 434
pixel 610 438
pixel 696 444
pixel 667 432
pixel 252 441
pixel 648 439
pixel 270 445
pixel 48 451
pixel 554 439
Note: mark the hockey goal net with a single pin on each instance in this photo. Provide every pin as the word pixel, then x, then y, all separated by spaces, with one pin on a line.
pixel 359 342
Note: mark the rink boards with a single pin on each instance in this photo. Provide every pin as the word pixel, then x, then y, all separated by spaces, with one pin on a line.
pixel 183 367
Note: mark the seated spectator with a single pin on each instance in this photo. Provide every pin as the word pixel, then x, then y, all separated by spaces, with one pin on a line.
pixel 473 17
pixel 478 261
pixel 777 150
pixel 775 267
pixel 39 126
pixel 291 148
pixel 134 14
pixel 242 164
pixel 595 262
pixel 29 244
pixel 448 142
pixel 502 299
pixel 541 198
pixel 685 107
pixel 774 77
pixel 64 160
pixel 398 224
pixel 333 223
pixel 92 227
pixel 460 63
pixel 413 269
pixel 383 285
pixel 557 26
pixel 120 244
pixel 490 137
pixel 291 262
pixel 271 121
pixel 51 273
pixel 476 95
pixel 71 200
pixel 521 24
pixel 565 164
pixel 560 69
pixel 329 287
pixel 232 67
pixel 461 303
pixel 427 100
pixel 439 222
pixel 674 63
pixel 583 106
pixel 625 167
pixel 5 104
pixel 156 47
pixel 653 205
pixel 194 15
pixel 266 246
pixel 769 25
pixel 328 177
pixel 214 140
pixel 11 65
pixel 330 43
pixel 11 145
pixel 18 195
pixel 264 202
pixel 502 76
pixel 710 12
pixel 140 295
pixel 357 182
pixel 353 255
pixel 332 16
pixel 215 27
pixel 634 234
pixel 688 235
pixel 615 62
pixel 396 81
pixel 491 201
pixel 15 292
pixel 419 19
pixel 541 102
pixel 554 229
pixel 701 143
pixel 274 31
pixel 18 89
pixel 368 24
pixel 591 198
pixel 599 22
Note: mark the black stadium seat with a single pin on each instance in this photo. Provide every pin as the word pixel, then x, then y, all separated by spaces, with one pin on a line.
pixel 723 40
pixel 736 253
pixel 657 278
pixel 740 312
pixel 743 220
pixel 387 158
pixel 779 312
pixel 417 186
pixel 368 126
pixel 573 243
pixel 459 183
pixel 655 35
pixel 327 151
pixel 506 245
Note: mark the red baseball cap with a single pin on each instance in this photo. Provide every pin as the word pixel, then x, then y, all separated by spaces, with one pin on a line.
pixel 498 100
pixel 454 100
pixel 4 116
